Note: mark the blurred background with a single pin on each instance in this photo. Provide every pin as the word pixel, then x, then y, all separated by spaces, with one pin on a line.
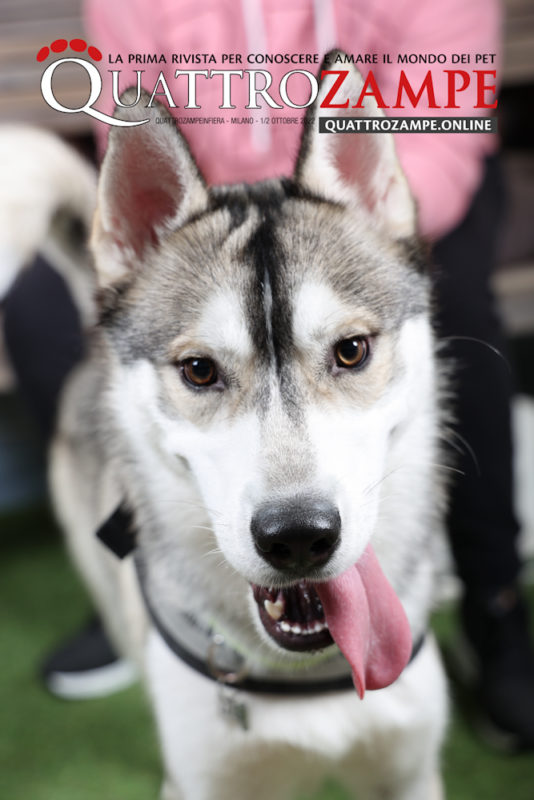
pixel 107 748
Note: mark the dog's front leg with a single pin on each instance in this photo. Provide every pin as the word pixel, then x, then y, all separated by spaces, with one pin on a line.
pixel 405 725
pixel 425 787
pixel 436 788
pixel 169 791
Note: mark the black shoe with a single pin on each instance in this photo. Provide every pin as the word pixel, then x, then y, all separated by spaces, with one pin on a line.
pixel 86 666
pixel 500 661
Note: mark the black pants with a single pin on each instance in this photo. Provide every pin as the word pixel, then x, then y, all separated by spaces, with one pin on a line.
pixel 481 522
pixel 44 340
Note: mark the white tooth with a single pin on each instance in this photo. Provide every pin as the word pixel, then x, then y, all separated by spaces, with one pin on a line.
pixel 286 627
pixel 319 626
pixel 274 610
pixel 296 629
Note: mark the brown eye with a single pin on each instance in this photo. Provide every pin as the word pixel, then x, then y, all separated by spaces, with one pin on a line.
pixel 200 371
pixel 350 353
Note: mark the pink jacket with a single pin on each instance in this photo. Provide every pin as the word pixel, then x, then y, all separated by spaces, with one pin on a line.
pixel 443 169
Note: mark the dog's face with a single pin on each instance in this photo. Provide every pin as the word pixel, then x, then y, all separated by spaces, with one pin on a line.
pixel 270 340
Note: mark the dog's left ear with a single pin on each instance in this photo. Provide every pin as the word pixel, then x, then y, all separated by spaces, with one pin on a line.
pixel 149 185
pixel 351 168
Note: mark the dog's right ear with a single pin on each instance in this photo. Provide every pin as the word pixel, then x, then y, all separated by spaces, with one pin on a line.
pixel 149 186
pixel 354 169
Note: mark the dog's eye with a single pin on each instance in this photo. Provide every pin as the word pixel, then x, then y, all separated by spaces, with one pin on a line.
pixel 200 371
pixel 351 353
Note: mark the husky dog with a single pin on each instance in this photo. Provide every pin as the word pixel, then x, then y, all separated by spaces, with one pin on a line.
pixel 259 412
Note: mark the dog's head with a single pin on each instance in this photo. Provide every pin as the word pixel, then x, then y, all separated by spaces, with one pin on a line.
pixel 273 340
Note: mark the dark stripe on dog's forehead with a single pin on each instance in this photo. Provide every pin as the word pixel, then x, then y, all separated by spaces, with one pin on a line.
pixel 271 331
pixel 269 321
pixel 269 306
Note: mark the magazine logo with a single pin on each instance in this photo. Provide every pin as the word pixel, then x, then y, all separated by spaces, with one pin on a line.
pixel 477 87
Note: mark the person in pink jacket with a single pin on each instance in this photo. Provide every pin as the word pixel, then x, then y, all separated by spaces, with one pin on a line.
pixel 456 184
pixel 444 171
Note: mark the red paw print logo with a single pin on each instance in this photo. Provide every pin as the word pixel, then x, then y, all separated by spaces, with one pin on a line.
pixel 60 45
pixel 87 103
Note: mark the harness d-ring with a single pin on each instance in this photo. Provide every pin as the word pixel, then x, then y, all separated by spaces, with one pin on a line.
pixel 227 676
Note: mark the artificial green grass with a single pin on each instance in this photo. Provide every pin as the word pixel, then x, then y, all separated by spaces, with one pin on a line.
pixel 50 749
pixel 107 749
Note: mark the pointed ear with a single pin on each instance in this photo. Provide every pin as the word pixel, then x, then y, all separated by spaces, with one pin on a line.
pixel 149 185
pixel 354 167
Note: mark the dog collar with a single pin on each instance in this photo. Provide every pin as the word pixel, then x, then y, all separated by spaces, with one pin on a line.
pixel 207 651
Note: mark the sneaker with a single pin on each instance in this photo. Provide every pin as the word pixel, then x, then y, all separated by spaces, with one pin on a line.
pixel 86 666
pixel 496 661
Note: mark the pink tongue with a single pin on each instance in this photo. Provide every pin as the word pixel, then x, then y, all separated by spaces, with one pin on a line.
pixel 368 623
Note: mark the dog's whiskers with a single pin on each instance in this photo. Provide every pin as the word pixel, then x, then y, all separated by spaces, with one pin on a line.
pixel 447 431
pixel 474 340
pixel 202 528
pixel 376 484
pixel 214 551
pixel 446 467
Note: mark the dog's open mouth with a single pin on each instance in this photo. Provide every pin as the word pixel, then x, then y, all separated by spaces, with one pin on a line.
pixel 358 610
pixel 293 617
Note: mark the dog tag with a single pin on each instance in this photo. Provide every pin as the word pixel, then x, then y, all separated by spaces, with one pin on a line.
pixel 231 708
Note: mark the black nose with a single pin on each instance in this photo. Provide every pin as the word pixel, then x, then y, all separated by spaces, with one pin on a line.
pixel 298 535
